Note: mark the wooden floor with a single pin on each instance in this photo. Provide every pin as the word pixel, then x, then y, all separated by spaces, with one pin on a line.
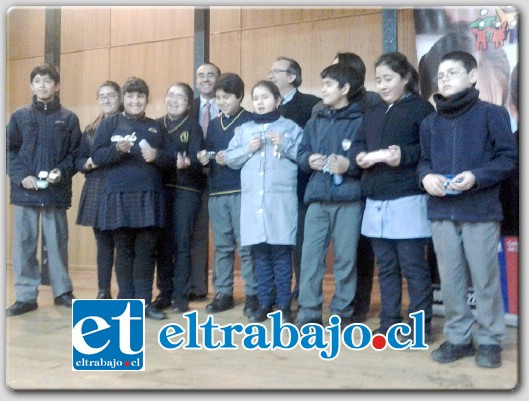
pixel 38 356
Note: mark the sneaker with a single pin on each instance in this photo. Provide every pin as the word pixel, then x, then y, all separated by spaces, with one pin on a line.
pixel 19 308
pixel 162 302
pixel 221 303
pixel 489 356
pixel 250 305
pixel 152 312
pixel 65 299
pixel 448 352
pixel 260 314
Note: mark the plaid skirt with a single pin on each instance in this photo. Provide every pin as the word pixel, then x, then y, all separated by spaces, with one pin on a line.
pixel 132 209
pixel 89 204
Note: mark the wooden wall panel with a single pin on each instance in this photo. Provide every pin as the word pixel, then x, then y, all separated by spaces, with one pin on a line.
pixel 77 94
pixel 149 24
pixel 25 32
pixel 159 64
pixel 224 19
pixel 84 28
pixel 406 36
pixel 18 86
pixel 227 60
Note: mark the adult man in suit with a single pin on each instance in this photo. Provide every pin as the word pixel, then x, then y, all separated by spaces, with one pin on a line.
pixel 205 109
pixel 297 106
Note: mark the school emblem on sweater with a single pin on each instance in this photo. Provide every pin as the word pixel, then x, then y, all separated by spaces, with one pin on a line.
pixel 108 335
pixel 153 130
pixel 184 137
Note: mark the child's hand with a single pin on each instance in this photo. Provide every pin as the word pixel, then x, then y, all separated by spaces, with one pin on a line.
pixel 182 161
pixel 434 184
pixel 54 176
pixel 274 137
pixel 317 161
pixel 149 154
pixel 30 182
pixel 394 156
pixel 463 181
pixel 124 146
pixel 219 158
pixel 203 157
pixel 338 164
pixel 255 142
pixel 361 162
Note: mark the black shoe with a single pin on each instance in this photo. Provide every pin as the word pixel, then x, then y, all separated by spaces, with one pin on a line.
pixel 19 308
pixel 65 299
pixel 196 297
pixel 221 303
pixel 152 312
pixel 161 302
pixel 180 306
pixel 448 352
pixel 489 356
pixel 301 323
pixel 260 314
pixel 250 305
pixel 104 294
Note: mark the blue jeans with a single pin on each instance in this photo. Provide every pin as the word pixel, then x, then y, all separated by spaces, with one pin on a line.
pixel 397 257
pixel 273 268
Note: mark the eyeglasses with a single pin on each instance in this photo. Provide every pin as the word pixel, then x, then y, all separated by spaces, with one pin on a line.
pixel 109 96
pixel 276 71
pixel 208 75
pixel 450 75
pixel 180 98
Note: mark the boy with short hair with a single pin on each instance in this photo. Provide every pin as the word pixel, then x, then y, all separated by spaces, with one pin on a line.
pixel 224 206
pixel 333 195
pixel 42 142
pixel 467 150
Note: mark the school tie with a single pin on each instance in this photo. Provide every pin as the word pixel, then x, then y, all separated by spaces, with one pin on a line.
pixel 205 119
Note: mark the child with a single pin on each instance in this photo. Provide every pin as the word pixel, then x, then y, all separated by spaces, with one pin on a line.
pixel 110 103
pixel 265 150
pixel 225 198
pixel 42 142
pixel 182 186
pixel 467 149
pixel 335 209
pixel 395 214
pixel 134 150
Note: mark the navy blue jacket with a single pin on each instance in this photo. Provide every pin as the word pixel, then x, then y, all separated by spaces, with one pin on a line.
pixel 479 141
pixel 325 133
pixel 42 137
pixel 222 179
pixel 397 126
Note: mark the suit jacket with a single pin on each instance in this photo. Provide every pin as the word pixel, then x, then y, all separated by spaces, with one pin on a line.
pixel 299 108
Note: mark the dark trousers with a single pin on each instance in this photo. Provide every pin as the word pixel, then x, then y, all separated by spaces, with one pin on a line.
pixel 105 257
pixel 174 251
pixel 397 257
pixel 365 265
pixel 296 250
pixel 135 260
pixel 200 250
pixel 273 268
